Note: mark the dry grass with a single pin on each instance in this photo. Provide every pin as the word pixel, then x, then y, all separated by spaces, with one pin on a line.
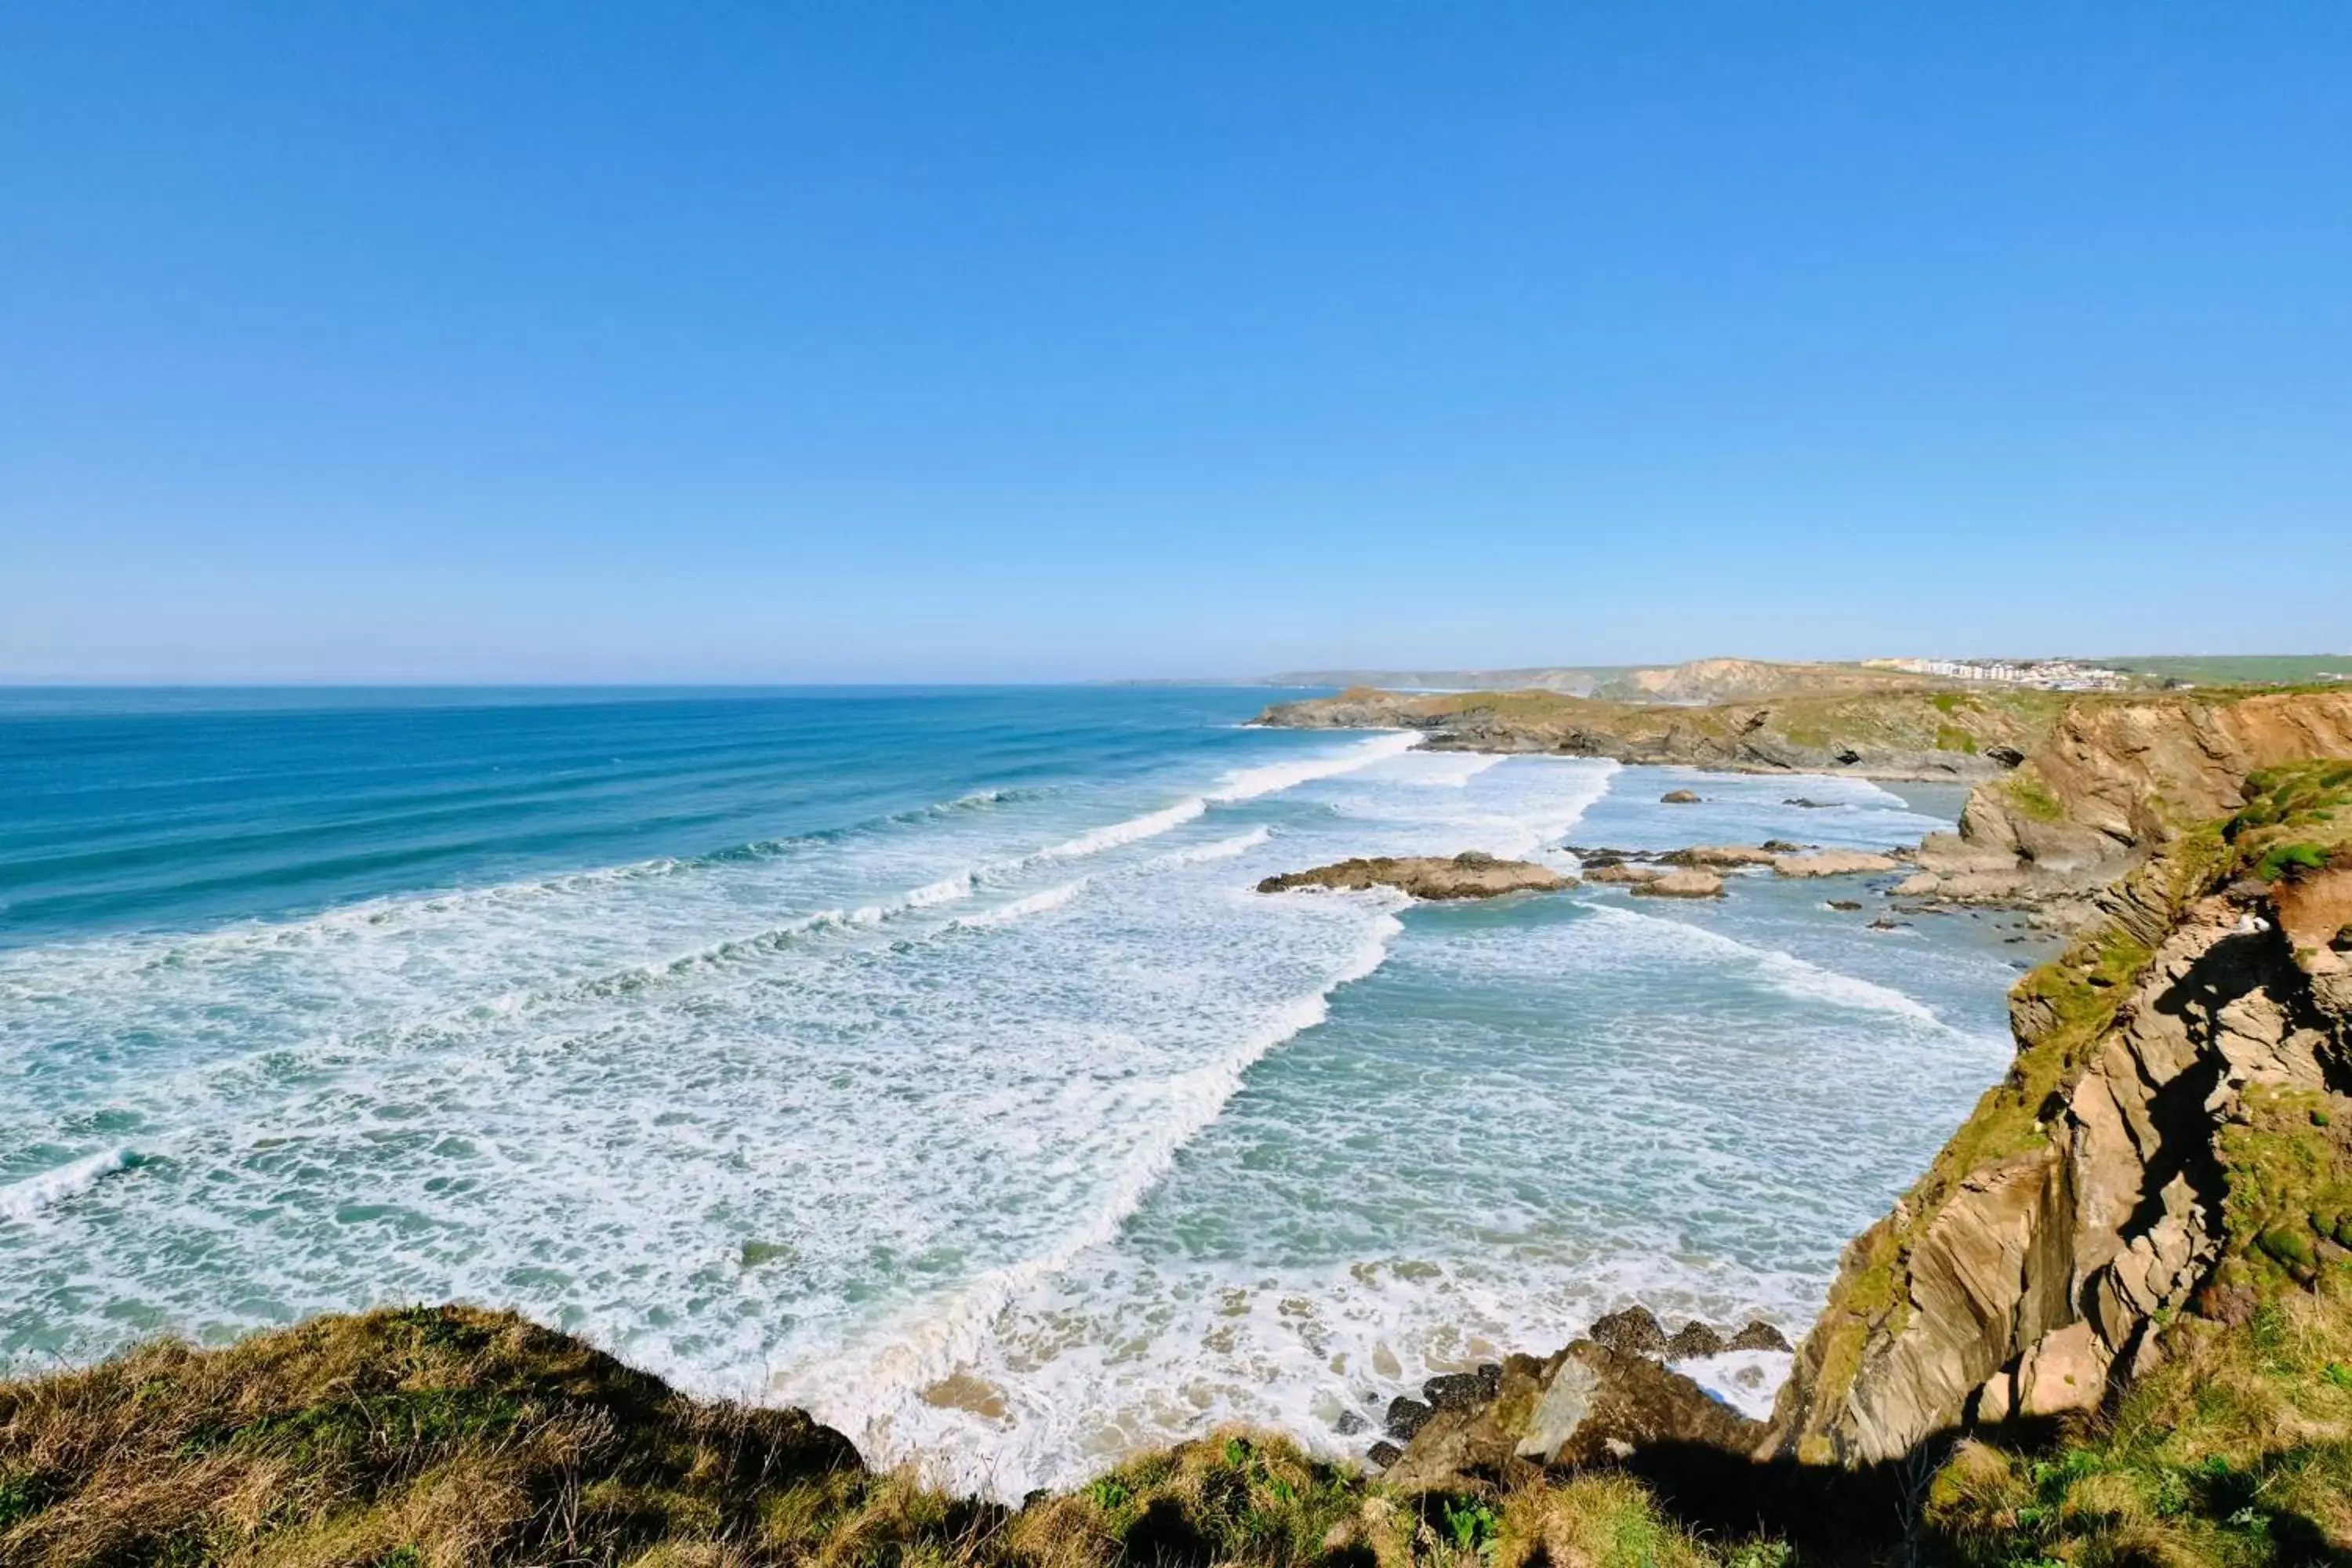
pixel 442 1438
pixel 448 1437
pixel 402 1438
pixel 2238 1453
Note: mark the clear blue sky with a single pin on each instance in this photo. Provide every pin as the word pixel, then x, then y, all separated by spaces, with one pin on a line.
pixel 756 341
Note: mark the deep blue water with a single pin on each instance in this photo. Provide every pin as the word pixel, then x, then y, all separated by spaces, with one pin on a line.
pixel 172 808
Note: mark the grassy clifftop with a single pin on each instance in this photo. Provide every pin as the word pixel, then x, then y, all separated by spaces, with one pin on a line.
pixel 434 1437
pixel 1962 735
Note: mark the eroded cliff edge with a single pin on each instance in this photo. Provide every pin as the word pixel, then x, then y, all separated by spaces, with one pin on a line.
pixel 2174 1139
pixel 1892 735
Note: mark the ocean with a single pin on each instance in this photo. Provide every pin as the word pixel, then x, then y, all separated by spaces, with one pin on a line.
pixel 925 1057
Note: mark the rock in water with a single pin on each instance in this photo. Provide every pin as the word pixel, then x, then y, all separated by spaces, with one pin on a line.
pixel 1693 1338
pixel 1832 863
pixel 1718 857
pixel 1678 797
pixel 1459 1390
pixel 1634 1332
pixel 1466 876
pixel 1406 1416
pixel 1683 885
pixel 1758 1335
pixel 1620 871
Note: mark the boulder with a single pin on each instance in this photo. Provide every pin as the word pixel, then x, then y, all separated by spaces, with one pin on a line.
pixel 1758 1335
pixel 1718 857
pixel 1682 885
pixel 2064 1370
pixel 1632 1332
pixel 1620 871
pixel 1678 797
pixel 1847 905
pixel 1588 1404
pixel 1693 1338
pixel 1832 863
pixel 1460 1390
pixel 1467 875
pixel 1405 1418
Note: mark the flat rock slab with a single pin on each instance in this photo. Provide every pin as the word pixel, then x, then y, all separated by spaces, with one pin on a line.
pixel 1467 875
pixel 1720 857
pixel 1681 885
pixel 1832 863
pixel 1621 871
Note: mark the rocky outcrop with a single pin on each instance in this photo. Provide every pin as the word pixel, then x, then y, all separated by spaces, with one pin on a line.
pixel 1718 857
pixel 1680 885
pixel 1679 797
pixel 1904 733
pixel 1587 1405
pixel 1469 875
pixel 2116 781
pixel 1831 863
pixel 2178 1075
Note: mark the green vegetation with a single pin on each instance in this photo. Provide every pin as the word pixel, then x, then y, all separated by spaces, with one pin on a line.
pixel 1951 738
pixel 2237 1454
pixel 2032 797
pixel 2247 670
pixel 2289 1173
pixel 424 1438
pixel 432 1438
pixel 2301 794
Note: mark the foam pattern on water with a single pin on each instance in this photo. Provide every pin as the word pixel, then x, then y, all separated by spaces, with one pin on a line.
pixel 1011 1133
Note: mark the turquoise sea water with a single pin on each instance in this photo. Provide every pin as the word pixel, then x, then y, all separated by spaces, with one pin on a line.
pixel 926 1058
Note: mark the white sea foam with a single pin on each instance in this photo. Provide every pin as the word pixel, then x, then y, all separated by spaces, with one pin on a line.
pixel 1222 849
pixel 781 1123
pixel 1786 972
pixel 1248 784
pixel 1747 1380
pixel 1150 824
pixel 875 1386
pixel 23 1199
pixel 1035 903
pixel 946 890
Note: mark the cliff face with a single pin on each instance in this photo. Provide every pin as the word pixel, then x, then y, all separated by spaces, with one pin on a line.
pixel 2172 1140
pixel 2116 781
pixel 1904 733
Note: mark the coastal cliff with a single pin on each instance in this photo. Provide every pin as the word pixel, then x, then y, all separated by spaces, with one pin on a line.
pixel 2114 785
pixel 1900 734
pixel 2169 1145
pixel 2140 1242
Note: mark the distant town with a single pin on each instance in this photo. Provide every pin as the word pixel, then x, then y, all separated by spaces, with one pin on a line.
pixel 2052 674
pixel 2076 675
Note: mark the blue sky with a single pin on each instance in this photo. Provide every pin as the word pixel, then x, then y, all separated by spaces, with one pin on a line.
pixel 750 341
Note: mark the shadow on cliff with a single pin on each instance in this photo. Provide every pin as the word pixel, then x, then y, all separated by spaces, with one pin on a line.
pixel 1877 1514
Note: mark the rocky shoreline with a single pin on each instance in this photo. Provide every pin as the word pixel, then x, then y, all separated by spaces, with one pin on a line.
pixel 2156 1202
pixel 1896 735
pixel 2035 1274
